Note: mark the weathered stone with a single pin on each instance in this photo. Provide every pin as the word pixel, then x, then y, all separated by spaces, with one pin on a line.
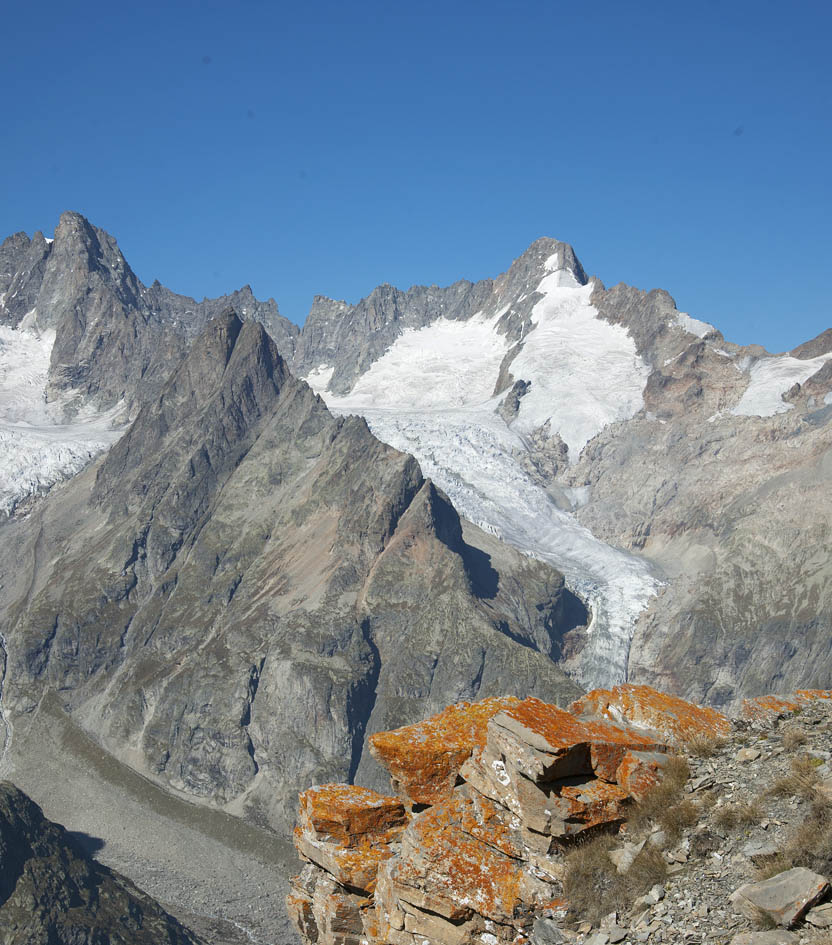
pixel 820 916
pixel 424 759
pixel 673 719
pixel 767 708
pixel 640 771
pixel 785 897
pixel 546 932
pixel 347 831
pixel 560 734
pixel 768 937
pixel 745 755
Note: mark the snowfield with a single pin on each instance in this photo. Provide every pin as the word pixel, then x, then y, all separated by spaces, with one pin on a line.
pixel 770 379
pixel 36 449
pixel 430 394
pixel 585 372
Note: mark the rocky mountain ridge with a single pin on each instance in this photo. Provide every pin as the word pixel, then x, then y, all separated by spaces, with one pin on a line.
pixel 514 821
pixel 52 893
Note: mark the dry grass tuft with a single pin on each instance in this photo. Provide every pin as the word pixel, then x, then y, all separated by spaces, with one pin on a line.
pixel 675 818
pixel 704 746
pixel 809 844
pixel 801 781
pixel 739 814
pixel 794 737
pixel 666 805
pixel 592 885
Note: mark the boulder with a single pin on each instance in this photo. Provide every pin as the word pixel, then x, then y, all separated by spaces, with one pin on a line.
pixel 424 759
pixel 675 720
pixel 347 830
pixel 785 898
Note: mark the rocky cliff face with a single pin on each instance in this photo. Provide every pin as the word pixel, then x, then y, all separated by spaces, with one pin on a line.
pixel 516 821
pixel 52 893
pixel 246 587
pixel 116 341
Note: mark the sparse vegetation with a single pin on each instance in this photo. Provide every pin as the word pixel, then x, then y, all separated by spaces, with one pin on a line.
pixel 594 887
pixel 793 737
pixel 801 780
pixel 739 814
pixel 656 805
pixel 703 746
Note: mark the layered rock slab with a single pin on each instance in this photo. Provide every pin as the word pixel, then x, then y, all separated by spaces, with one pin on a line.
pixel 481 861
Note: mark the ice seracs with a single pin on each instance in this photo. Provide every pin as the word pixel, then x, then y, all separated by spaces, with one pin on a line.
pixel 36 448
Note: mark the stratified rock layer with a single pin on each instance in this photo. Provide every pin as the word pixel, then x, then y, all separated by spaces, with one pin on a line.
pixel 482 860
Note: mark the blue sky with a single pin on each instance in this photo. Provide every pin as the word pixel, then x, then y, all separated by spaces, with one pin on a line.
pixel 326 148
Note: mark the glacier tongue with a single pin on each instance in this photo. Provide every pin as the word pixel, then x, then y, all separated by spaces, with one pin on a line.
pixel 430 394
pixel 36 449
pixel 467 451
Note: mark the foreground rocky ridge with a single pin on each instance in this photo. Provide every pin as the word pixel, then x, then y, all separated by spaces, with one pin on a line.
pixel 52 893
pixel 515 821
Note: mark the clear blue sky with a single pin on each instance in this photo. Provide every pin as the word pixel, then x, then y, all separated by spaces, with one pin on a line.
pixel 328 147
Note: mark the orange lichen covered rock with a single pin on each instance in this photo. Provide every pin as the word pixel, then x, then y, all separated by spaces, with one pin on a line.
pixel 765 708
pixel 551 743
pixel 457 865
pixel 344 812
pixel 640 771
pixel 347 831
pixel 670 717
pixel 325 913
pixel 424 759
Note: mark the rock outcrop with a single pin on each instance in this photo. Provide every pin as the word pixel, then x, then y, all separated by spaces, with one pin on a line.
pixel 52 893
pixel 566 827
pixel 488 797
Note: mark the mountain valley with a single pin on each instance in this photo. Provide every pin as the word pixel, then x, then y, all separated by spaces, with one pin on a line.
pixel 232 550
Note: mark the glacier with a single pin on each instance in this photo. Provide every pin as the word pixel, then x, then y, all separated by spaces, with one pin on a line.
pixel 37 447
pixel 431 394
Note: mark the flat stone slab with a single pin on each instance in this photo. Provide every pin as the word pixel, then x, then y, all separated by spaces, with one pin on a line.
pixel 771 937
pixel 785 897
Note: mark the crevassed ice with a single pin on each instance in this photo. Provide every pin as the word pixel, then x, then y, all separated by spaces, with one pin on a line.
pixel 430 394
pixel 36 450
pixel 772 377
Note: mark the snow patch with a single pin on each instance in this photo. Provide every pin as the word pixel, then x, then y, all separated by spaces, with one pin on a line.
pixel 827 398
pixel 585 372
pixel 693 326
pixel 445 364
pixel 36 448
pixel 319 378
pixel 770 378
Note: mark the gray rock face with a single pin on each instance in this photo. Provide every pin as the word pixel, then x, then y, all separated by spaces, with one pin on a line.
pixel 247 587
pixel 22 266
pixel 115 340
pixel 52 893
pixel 350 338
